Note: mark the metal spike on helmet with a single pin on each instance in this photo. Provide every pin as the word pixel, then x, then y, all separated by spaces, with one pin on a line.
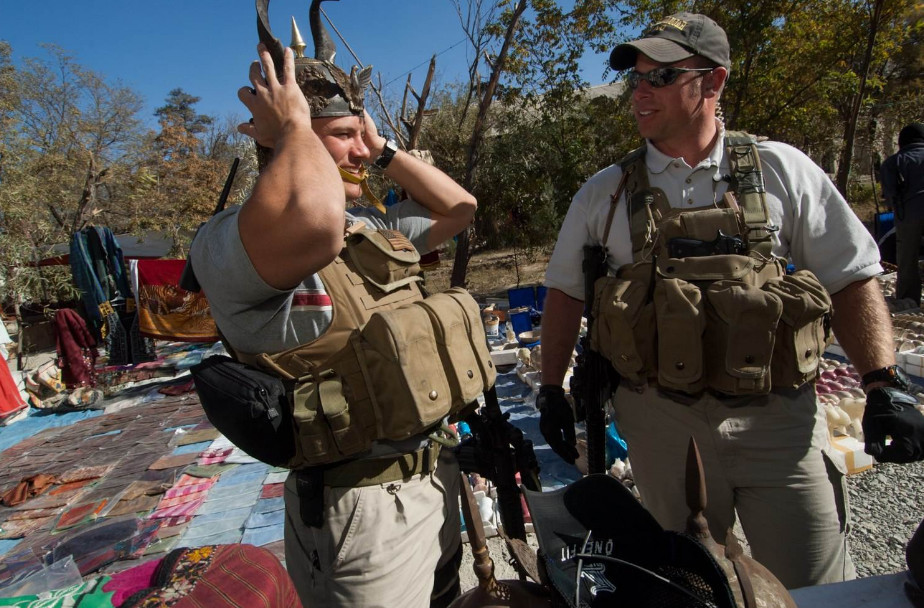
pixel 328 89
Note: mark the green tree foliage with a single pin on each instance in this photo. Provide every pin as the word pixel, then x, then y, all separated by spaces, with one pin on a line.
pixel 74 152
pixel 66 144
pixel 546 135
pixel 185 170
pixel 797 65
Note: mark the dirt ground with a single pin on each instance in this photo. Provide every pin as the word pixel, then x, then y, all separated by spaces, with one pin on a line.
pixel 493 272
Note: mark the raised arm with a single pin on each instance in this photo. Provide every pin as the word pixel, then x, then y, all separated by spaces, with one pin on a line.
pixel 451 206
pixel 292 224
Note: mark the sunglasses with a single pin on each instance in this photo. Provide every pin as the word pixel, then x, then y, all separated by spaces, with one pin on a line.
pixel 659 77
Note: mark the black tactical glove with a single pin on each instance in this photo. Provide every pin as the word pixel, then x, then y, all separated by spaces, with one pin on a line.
pixel 892 412
pixel 556 421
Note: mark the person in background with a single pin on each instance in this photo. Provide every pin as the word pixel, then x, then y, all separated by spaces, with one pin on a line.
pixel 765 447
pixel 902 177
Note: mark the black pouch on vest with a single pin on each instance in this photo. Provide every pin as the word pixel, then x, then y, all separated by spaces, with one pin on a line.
pixel 247 406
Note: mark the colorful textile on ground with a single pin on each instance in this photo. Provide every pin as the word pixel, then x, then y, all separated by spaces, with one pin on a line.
pixel 168 312
pixel 129 582
pixel 26 489
pixel 104 542
pixel 76 349
pixel 218 576
pixel 88 594
pixel 10 399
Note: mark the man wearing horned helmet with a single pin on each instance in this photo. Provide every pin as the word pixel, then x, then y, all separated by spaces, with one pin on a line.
pixel 372 526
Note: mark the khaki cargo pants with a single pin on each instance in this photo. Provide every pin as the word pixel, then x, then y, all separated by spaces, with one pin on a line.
pixel 379 545
pixel 765 457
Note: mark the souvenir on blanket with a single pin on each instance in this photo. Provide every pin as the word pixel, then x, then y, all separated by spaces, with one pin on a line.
pixel 168 312
pixel 272 490
pixel 89 594
pixel 105 542
pixel 26 489
pixel 82 473
pixel 18 528
pixel 218 576
pixel 79 514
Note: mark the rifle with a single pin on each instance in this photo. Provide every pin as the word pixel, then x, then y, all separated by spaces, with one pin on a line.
pixel 188 280
pixel 593 380
pixel 498 451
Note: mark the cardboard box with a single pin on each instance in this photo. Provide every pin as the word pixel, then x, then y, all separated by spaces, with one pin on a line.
pixel 850 451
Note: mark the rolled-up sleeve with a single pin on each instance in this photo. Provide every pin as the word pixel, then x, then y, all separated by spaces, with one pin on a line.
pixel 819 230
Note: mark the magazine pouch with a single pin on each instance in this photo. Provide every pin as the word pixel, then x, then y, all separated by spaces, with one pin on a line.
pixel 398 355
pixel 741 324
pixel 461 345
pixel 386 258
pixel 681 321
pixel 804 330
pixel 624 329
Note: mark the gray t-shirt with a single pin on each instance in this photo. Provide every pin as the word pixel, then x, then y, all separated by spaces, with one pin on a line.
pixel 255 317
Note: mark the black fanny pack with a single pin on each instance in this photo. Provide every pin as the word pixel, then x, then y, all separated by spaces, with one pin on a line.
pixel 248 406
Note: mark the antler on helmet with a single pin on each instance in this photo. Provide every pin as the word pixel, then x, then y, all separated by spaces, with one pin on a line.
pixel 329 90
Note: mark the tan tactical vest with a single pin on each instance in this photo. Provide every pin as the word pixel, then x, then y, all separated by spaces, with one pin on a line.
pixel 724 317
pixel 391 365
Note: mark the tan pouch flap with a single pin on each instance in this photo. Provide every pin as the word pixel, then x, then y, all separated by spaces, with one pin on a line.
pixel 703 224
pixel 681 321
pixel 455 348
pixel 750 316
pixel 707 268
pixel 476 335
pixel 313 439
pixel 405 370
pixel 624 329
pixel 805 306
pixel 385 257
pixel 804 299
pixel 348 436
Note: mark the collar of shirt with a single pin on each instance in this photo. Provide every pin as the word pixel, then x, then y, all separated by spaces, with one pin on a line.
pixel 658 162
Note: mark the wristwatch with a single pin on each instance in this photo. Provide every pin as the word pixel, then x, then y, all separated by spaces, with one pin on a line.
pixel 388 153
pixel 892 374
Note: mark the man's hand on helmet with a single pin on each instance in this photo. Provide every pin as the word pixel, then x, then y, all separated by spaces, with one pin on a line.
pixel 371 137
pixel 556 421
pixel 892 412
pixel 276 106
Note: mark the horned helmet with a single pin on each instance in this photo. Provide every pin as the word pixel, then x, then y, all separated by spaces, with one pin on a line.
pixel 329 90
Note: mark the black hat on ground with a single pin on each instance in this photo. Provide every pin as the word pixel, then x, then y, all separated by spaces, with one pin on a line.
pixel 675 38
pixel 600 547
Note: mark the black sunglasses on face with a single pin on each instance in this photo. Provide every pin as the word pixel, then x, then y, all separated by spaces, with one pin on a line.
pixel 659 77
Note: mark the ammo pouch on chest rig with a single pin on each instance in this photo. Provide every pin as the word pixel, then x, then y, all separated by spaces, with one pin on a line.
pixel 732 323
pixel 393 364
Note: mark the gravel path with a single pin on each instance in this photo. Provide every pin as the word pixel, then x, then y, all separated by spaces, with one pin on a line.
pixel 887 505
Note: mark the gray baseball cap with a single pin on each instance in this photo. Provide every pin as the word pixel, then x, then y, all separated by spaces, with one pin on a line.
pixel 675 38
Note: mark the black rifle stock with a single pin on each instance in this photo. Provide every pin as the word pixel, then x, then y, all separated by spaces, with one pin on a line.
pixel 592 381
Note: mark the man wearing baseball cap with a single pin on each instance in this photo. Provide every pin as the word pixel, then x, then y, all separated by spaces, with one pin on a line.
pixel 710 336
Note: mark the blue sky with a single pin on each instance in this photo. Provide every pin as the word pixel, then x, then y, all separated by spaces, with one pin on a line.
pixel 206 46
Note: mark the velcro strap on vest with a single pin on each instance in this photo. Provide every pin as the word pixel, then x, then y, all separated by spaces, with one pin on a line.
pixel 375 471
pixel 748 182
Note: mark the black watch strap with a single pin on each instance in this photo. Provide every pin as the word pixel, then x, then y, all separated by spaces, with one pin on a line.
pixel 892 374
pixel 388 153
